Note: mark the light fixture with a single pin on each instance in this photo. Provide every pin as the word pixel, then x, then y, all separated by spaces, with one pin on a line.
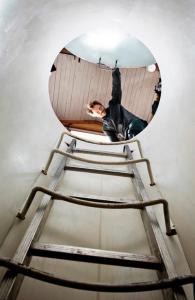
pixel 104 39
pixel 151 68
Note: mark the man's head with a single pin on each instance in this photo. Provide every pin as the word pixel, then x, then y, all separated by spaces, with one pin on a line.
pixel 96 109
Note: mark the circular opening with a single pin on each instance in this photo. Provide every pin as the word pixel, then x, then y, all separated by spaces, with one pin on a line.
pixel 105 84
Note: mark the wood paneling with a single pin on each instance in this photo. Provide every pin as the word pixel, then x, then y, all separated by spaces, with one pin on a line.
pixel 77 82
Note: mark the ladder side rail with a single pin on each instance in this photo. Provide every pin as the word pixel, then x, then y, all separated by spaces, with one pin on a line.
pixel 154 233
pixel 9 278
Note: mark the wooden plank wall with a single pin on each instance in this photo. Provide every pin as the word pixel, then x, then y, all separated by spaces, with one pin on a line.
pixel 77 82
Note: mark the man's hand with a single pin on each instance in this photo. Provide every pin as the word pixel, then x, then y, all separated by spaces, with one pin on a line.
pixel 115 70
pixel 120 137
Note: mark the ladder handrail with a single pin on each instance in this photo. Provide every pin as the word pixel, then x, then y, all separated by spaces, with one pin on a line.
pixel 79 201
pixel 100 143
pixel 123 288
pixel 126 162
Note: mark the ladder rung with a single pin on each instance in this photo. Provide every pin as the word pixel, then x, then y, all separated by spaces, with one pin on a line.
pixel 174 283
pixel 95 256
pixel 99 198
pixel 104 153
pixel 98 171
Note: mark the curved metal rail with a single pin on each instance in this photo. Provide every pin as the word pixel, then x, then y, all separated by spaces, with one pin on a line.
pixel 134 205
pixel 100 143
pixel 113 288
pixel 126 162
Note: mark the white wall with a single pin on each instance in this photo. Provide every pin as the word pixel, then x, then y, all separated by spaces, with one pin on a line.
pixel 33 32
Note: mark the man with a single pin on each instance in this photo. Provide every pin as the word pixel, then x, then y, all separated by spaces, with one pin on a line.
pixel 118 123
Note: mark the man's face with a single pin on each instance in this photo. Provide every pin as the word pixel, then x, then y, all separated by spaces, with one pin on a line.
pixel 99 111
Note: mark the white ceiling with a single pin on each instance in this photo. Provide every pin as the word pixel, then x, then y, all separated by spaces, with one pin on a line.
pixel 111 46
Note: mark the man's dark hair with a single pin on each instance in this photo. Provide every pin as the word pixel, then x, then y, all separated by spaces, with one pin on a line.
pixel 91 105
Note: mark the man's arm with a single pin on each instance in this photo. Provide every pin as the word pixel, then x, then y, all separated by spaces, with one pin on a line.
pixel 155 106
pixel 116 87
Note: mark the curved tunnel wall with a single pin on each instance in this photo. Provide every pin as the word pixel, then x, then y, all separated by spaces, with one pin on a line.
pixel 32 34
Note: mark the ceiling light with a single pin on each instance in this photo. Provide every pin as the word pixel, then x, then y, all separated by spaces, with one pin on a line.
pixel 104 39
pixel 151 68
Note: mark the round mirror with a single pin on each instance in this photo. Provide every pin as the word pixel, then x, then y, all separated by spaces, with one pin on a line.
pixel 106 84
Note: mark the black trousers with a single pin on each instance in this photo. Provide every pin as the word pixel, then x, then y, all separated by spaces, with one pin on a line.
pixel 135 127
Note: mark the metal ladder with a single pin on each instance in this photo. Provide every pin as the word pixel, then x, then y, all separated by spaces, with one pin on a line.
pixel 19 266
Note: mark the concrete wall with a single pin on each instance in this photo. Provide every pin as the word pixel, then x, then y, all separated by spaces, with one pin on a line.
pixel 33 32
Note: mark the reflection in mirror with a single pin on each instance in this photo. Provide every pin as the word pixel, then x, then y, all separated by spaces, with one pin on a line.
pixel 107 91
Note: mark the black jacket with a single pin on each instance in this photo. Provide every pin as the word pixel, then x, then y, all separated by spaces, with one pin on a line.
pixel 117 119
